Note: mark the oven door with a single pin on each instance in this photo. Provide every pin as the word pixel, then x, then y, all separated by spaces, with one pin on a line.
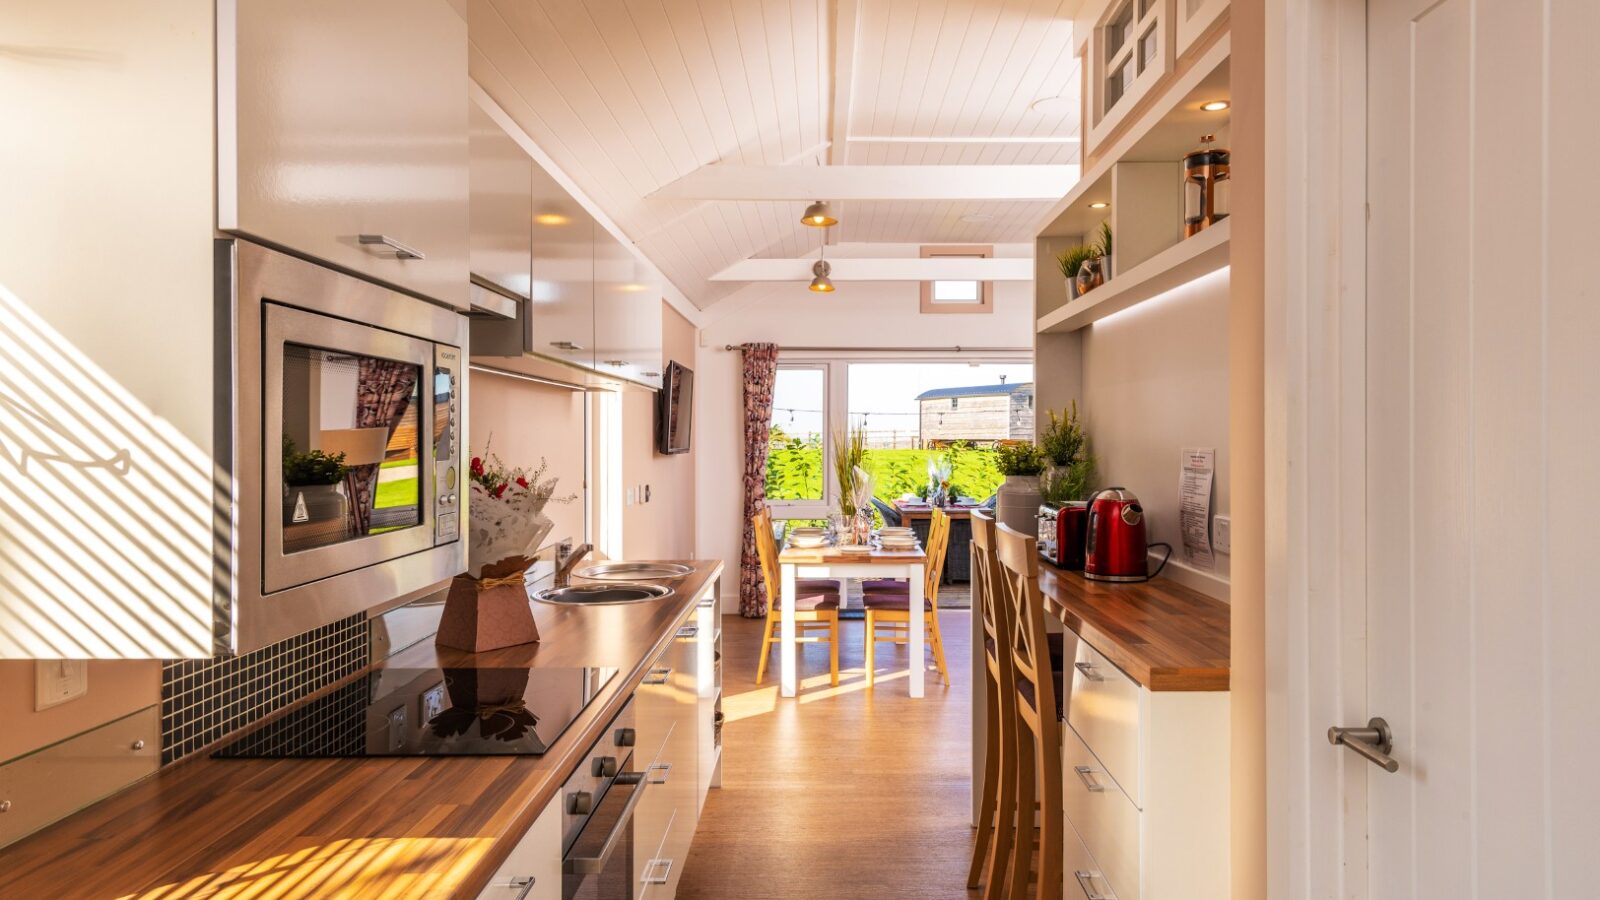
pixel 599 864
pixel 347 436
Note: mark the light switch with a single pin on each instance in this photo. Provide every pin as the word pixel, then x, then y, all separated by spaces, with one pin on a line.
pixel 1221 539
pixel 55 681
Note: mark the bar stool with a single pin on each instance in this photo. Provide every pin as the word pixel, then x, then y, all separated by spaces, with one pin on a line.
pixel 887 604
pixel 1038 727
pixel 998 807
pixel 816 603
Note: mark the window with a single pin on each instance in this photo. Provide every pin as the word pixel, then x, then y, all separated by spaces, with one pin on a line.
pixel 955 402
pixel 795 446
pixel 958 296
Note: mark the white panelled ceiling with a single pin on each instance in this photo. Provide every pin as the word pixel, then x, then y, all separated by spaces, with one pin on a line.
pixel 628 96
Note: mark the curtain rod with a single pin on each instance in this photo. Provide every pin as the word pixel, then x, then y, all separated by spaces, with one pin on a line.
pixel 955 349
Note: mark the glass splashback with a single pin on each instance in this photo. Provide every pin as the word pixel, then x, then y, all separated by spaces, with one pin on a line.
pixel 352 458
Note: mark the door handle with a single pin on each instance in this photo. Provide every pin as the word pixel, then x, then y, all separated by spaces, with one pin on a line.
pixel 1086 775
pixel 1375 742
pixel 664 768
pixel 401 251
pixel 1088 670
pixel 658 676
pixel 656 871
pixel 1086 882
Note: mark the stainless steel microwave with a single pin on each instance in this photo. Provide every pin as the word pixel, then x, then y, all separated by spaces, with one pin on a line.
pixel 343 446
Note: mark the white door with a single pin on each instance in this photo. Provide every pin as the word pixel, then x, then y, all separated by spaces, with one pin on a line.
pixel 1483 449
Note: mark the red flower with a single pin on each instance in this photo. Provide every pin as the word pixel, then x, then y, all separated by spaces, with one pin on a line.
pixel 522 482
pixel 477 466
pixel 500 490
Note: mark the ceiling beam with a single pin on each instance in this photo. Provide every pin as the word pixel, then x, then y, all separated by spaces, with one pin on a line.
pixel 838 183
pixel 945 268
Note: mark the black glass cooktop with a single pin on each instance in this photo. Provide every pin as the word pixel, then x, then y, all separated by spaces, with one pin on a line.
pixel 431 712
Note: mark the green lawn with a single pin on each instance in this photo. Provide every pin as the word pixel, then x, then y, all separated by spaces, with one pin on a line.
pixel 794 472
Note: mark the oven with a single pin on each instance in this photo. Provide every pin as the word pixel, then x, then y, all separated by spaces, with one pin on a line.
pixel 345 426
pixel 598 802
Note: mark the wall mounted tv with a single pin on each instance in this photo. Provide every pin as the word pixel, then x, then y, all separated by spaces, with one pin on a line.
pixel 675 410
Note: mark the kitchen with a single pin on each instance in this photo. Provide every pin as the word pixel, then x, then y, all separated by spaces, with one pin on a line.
pixel 486 448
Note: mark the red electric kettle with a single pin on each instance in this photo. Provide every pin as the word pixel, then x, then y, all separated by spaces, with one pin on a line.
pixel 1115 547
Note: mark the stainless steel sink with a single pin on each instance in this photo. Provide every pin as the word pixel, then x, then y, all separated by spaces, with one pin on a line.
pixel 597 594
pixel 633 571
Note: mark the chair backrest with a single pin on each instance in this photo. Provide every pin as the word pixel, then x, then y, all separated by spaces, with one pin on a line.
pixel 989 595
pixel 938 550
pixel 1018 554
pixel 767 551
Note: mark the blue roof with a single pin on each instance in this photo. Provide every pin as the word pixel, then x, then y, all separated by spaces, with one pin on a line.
pixel 981 390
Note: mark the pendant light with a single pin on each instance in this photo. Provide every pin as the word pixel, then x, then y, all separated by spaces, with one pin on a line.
pixel 818 215
pixel 822 284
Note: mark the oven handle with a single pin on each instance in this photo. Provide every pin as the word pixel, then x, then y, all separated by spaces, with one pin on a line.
pixel 593 865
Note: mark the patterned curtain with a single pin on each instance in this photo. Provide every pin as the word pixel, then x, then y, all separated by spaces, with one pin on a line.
pixel 760 371
pixel 383 391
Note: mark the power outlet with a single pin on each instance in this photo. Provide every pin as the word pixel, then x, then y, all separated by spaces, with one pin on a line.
pixel 56 681
pixel 1221 537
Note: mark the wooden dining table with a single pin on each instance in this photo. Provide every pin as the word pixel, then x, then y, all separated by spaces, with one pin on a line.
pixel 795 563
pixel 910 512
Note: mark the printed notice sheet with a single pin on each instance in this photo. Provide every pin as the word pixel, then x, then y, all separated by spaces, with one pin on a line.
pixel 1194 505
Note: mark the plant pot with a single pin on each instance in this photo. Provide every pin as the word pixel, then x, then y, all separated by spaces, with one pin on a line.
pixel 314 503
pixel 1072 288
pixel 1017 503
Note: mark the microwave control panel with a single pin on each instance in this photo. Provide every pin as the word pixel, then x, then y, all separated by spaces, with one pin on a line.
pixel 447 484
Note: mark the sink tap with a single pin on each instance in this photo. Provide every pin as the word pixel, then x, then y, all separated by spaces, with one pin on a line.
pixel 564 567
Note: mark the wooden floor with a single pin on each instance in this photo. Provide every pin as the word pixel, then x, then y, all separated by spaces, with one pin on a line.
pixel 841 792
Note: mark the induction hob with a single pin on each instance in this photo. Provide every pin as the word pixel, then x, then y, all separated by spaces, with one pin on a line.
pixel 431 712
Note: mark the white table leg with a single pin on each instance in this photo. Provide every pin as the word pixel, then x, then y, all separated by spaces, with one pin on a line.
pixel 917 629
pixel 786 641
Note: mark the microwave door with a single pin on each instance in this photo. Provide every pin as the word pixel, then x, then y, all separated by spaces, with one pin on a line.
pixel 348 443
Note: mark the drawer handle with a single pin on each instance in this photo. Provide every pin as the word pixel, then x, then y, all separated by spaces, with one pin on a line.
pixel 664 768
pixel 656 871
pixel 1090 892
pixel 525 882
pixel 401 251
pixel 1088 670
pixel 1086 775
pixel 658 676
pixel 565 345
pixel 688 631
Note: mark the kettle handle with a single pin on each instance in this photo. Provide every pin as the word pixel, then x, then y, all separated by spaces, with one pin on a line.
pixel 1088 519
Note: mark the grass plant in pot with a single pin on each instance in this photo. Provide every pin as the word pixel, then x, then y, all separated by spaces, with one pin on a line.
pixel 1071 261
pixel 1069 464
pixel 1017 500
pixel 313 483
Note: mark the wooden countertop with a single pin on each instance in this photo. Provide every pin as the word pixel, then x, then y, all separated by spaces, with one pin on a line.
pixel 1163 635
pixel 395 827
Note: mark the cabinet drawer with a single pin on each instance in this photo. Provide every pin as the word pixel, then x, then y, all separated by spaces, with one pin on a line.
pixel 1103 707
pixel 1103 816
pixel 532 871
pixel 1084 880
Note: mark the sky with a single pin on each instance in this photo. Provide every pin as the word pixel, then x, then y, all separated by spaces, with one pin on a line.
pixel 881 394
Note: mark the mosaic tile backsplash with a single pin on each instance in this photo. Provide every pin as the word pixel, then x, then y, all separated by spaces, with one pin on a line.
pixel 204 700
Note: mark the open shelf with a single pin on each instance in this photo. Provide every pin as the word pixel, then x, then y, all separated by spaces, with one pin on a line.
pixel 1179 264
pixel 1164 133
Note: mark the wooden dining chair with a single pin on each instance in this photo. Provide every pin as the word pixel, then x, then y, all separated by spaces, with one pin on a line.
pixel 1038 756
pixel 816 603
pixel 887 604
pixel 997 816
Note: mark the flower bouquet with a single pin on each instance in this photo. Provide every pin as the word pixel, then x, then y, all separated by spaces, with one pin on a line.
pixel 488 605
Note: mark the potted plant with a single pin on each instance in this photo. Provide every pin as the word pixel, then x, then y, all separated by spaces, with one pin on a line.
pixel 1071 464
pixel 1017 500
pixel 1103 246
pixel 313 483
pixel 855 487
pixel 1071 261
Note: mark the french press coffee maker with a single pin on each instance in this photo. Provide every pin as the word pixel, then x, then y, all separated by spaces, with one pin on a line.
pixel 1205 186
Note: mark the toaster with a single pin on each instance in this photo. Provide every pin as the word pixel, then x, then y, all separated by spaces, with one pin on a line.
pixel 1061 533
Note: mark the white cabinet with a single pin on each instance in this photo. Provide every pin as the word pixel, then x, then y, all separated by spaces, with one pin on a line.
pixel 501 209
pixel 1145 786
pixel 560 319
pixel 667 707
pixel 1195 18
pixel 342 135
pixel 627 323
pixel 533 870
pixel 1130 51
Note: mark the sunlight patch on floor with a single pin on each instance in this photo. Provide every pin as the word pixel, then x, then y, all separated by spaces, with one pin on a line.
pixel 756 702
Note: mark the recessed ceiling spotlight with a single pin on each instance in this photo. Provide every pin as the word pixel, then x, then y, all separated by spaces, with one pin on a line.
pixel 977 218
pixel 1215 106
pixel 1099 204
pixel 1052 106
pixel 551 219
pixel 818 215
